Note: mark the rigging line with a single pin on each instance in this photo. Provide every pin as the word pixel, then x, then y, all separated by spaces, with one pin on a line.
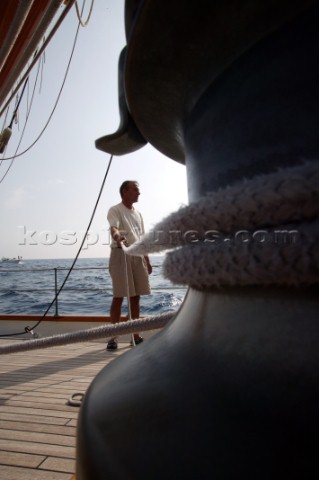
pixel 68 6
pixel 18 103
pixel 82 243
pixel 26 120
pixel 55 105
pixel 28 98
pixel 3 126
pixel 5 118
pixel 30 329
pixel 79 15
pixel 42 69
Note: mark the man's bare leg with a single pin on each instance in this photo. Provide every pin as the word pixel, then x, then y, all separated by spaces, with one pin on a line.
pixel 135 312
pixel 116 308
pixel 115 316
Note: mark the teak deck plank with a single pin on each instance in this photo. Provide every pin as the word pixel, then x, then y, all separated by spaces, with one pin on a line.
pixel 20 459
pixel 58 464
pixel 34 418
pixel 38 437
pixel 16 473
pixel 37 426
pixel 37 448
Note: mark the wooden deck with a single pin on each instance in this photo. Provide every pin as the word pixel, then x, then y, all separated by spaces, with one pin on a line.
pixel 37 427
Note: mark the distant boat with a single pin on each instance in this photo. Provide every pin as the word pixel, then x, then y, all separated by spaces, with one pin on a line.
pixel 11 260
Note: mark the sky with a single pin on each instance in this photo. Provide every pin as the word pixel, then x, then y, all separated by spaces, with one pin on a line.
pixel 48 195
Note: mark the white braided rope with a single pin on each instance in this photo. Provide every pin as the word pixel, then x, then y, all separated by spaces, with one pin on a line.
pixel 104 331
pixel 287 200
pixel 248 264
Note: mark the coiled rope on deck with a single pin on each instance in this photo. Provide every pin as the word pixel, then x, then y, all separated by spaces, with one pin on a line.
pixel 104 331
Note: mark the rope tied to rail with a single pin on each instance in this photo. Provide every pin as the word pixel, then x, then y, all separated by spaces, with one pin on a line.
pixel 261 231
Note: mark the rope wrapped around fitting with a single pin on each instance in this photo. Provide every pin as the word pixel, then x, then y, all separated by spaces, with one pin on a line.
pixel 261 231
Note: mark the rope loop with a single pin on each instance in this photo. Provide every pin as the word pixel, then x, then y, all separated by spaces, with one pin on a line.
pixel 83 24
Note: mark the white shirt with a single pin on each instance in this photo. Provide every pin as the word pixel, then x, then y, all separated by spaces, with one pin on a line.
pixel 128 221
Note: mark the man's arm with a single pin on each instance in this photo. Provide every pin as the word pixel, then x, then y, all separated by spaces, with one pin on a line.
pixel 117 237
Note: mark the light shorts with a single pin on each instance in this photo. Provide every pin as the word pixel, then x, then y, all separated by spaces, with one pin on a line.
pixel 137 274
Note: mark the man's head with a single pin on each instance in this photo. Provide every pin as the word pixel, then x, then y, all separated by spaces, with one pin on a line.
pixel 129 191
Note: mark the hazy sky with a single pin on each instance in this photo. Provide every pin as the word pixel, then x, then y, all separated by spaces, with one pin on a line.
pixel 48 195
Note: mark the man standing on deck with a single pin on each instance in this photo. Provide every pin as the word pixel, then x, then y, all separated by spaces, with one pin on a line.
pixel 127 226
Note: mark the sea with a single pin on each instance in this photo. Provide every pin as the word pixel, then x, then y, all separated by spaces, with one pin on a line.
pixel 30 288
